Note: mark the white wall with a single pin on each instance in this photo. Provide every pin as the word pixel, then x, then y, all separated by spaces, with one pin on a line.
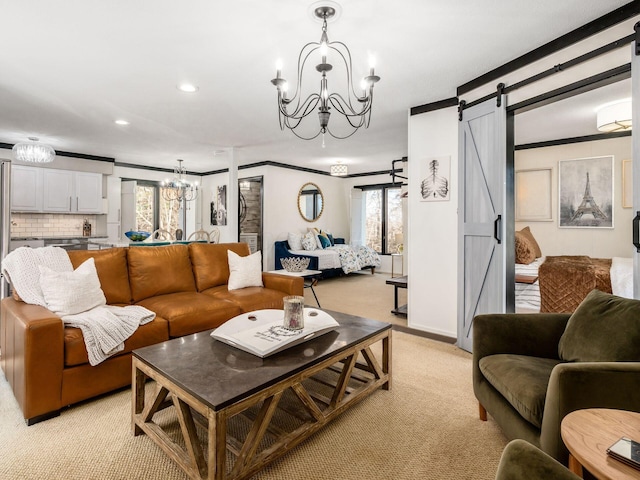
pixel 594 242
pixel 433 228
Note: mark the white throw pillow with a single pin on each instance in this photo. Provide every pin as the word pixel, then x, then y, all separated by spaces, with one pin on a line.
pixel 244 271
pixel 309 242
pixel 315 233
pixel 295 241
pixel 68 293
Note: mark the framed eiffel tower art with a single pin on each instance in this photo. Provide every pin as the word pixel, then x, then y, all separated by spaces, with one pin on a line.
pixel 585 197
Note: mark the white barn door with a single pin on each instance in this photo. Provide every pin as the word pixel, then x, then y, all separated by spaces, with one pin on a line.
pixel 481 215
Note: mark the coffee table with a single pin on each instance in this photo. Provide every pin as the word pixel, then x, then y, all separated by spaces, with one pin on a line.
pixel 237 412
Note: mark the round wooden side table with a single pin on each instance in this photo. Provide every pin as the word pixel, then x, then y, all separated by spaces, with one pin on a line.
pixel 588 433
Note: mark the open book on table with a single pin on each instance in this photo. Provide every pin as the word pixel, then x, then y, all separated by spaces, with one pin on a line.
pixel 262 333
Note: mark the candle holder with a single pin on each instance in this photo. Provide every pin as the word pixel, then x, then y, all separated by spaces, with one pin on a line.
pixel 293 312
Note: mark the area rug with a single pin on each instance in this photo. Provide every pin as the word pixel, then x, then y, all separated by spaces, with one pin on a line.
pixel 425 427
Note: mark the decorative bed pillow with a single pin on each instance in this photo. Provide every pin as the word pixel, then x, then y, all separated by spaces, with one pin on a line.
pixel 68 293
pixel 330 237
pixel 525 251
pixel 526 232
pixel 244 271
pixel 295 241
pixel 309 241
pixel 324 241
pixel 316 236
pixel 604 328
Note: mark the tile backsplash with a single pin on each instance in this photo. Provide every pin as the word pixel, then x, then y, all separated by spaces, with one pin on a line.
pixel 49 224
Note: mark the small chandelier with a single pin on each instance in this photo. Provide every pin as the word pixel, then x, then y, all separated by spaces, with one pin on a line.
pixel 33 152
pixel 355 108
pixel 178 188
pixel 339 170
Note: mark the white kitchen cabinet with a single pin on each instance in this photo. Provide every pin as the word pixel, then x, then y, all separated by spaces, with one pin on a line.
pixel 57 191
pixel 88 192
pixel 114 232
pixel 114 192
pixel 26 189
pixel 128 206
pixel 35 189
pixel 114 210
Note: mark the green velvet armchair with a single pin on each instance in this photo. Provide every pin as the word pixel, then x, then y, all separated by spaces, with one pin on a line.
pixel 531 370
pixel 522 461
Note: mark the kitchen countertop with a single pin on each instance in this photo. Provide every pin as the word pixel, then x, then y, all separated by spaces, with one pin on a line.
pixel 68 237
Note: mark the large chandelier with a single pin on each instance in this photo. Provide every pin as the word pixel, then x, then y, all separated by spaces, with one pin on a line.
pixel 178 188
pixel 33 152
pixel 355 108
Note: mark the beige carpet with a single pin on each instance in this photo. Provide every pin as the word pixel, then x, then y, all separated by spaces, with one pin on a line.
pixel 426 427
pixel 360 294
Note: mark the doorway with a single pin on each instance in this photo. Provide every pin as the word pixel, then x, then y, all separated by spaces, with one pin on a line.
pixel 250 212
pixel 553 136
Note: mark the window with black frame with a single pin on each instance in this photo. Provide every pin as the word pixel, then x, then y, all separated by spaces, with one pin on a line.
pixel 153 211
pixel 383 217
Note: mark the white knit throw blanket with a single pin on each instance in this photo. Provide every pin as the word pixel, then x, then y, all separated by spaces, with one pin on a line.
pixel 20 267
pixel 105 328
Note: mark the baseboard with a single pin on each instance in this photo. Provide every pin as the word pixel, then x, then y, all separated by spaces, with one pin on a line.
pixel 422 333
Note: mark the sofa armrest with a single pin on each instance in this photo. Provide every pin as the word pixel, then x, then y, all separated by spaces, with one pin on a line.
pixel 575 386
pixel 284 283
pixel 33 356
pixel 520 460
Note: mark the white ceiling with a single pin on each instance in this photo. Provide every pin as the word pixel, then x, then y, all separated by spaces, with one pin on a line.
pixel 70 68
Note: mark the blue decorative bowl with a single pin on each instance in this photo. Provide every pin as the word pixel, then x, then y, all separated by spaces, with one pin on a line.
pixel 137 236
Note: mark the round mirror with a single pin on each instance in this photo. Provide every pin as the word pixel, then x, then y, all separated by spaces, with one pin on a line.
pixel 310 202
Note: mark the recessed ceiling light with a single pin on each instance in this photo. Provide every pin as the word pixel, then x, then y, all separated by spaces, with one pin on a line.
pixel 188 88
pixel 121 122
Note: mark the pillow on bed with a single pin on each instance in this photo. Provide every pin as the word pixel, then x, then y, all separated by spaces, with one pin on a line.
pixel 309 241
pixel 330 237
pixel 525 252
pixel 324 241
pixel 295 241
pixel 316 235
pixel 536 248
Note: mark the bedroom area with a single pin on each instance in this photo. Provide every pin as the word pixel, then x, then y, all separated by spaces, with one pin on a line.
pixel 573 196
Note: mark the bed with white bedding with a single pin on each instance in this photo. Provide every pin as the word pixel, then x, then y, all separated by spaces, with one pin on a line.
pixel 528 295
pixel 336 259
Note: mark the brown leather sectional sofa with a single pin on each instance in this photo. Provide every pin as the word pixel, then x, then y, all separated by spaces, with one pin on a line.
pixel 47 365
